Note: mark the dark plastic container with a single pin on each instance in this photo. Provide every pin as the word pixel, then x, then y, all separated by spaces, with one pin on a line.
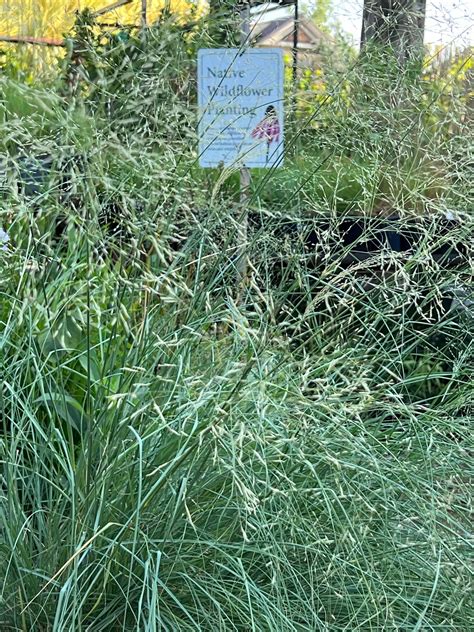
pixel 34 174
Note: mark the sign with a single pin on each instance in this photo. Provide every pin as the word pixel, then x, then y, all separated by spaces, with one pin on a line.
pixel 240 95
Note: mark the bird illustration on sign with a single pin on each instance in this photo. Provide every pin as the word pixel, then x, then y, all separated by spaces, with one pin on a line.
pixel 268 129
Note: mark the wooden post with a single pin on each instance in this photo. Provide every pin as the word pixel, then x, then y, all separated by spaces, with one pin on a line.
pixel 245 177
pixel 399 25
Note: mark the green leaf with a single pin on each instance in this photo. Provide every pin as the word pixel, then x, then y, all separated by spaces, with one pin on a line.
pixel 66 407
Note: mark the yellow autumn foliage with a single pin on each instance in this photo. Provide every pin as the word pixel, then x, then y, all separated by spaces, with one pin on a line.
pixel 53 18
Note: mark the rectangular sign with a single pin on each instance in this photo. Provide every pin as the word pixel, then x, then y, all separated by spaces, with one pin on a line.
pixel 240 96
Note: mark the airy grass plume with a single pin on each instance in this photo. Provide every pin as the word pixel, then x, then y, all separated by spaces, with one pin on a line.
pixel 181 454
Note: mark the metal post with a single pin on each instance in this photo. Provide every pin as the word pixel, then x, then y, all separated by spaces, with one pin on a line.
pixel 244 171
pixel 295 43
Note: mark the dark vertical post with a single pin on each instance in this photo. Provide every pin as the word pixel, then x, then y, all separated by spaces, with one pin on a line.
pixel 245 178
pixel 144 14
pixel 399 24
pixel 295 43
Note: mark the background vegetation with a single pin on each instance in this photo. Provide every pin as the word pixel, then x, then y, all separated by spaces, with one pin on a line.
pixel 183 452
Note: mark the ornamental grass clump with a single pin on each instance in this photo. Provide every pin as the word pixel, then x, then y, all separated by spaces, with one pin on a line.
pixel 180 452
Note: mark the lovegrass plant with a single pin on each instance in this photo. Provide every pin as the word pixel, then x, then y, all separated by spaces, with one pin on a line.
pixel 181 450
